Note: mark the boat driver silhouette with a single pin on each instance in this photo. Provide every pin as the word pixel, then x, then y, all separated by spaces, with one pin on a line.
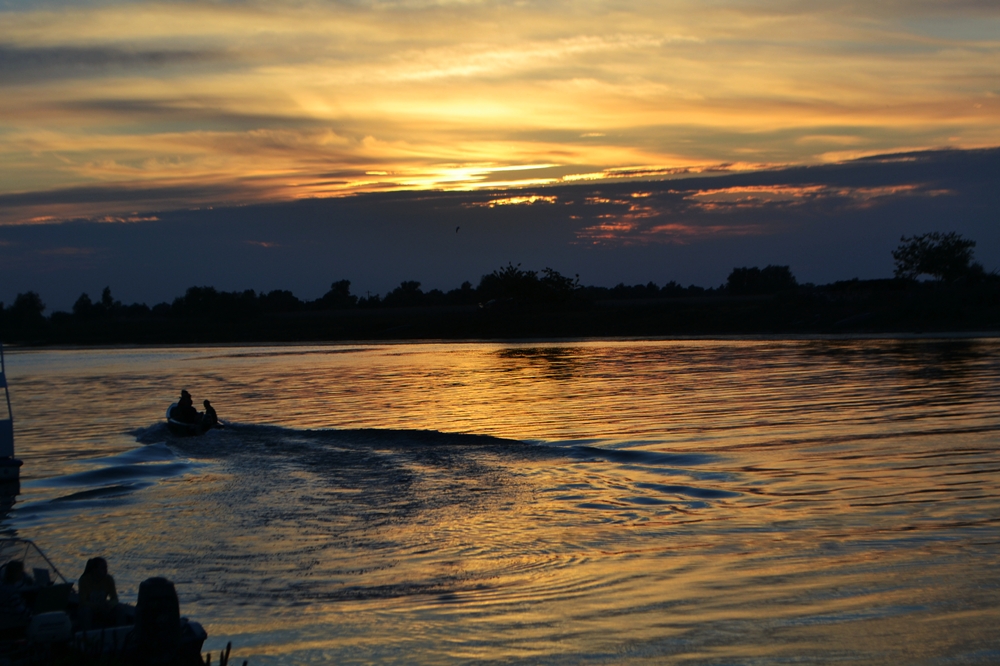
pixel 185 411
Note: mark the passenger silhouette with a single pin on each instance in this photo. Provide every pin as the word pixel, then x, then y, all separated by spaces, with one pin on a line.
pixel 99 605
pixel 14 612
pixel 13 574
pixel 210 419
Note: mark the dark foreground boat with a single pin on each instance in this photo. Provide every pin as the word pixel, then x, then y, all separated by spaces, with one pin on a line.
pixel 41 623
pixel 10 467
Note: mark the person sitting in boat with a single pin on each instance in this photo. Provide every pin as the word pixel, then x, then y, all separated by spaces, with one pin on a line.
pixel 184 411
pixel 14 612
pixel 99 605
pixel 210 419
pixel 14 575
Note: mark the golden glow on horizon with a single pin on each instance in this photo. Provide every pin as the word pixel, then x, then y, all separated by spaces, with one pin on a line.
pixel 236 103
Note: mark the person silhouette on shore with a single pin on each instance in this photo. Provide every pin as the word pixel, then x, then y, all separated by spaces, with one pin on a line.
pixel 184 411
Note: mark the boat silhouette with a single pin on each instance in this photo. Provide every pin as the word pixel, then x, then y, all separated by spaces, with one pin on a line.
pixel 10 467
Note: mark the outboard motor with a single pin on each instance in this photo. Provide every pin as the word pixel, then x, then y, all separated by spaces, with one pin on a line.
pixel 157 634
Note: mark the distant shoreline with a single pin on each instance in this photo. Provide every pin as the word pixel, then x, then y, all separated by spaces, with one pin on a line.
pixel 775 337
pixel 884 309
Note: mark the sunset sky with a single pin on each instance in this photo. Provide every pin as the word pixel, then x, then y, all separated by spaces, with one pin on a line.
pixel 121 112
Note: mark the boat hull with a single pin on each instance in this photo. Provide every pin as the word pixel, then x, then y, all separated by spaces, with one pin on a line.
pixel 10 470
pixel 184 429
pixel 181 429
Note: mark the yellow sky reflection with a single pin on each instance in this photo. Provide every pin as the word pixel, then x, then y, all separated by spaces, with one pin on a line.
pixel 283 100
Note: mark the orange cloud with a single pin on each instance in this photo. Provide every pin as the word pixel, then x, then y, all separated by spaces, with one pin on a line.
pixel 514 201
pixel 630 232
pixel 686 231
pixel 131 219
pixel 754 196
pixel 644 216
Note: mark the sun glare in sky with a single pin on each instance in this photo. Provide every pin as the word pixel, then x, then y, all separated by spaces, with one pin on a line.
pixel 140 105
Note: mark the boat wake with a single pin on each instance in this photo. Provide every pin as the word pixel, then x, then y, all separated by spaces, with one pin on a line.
pixel 298 516
pixel 103 481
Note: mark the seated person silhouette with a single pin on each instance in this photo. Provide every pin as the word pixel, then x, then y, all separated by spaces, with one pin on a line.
pixel 210 419
pixel 184 410
pixel 14 575
pixel 14 611
pixel 99 605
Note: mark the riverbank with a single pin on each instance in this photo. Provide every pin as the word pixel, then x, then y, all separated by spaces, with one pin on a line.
pixel 850 307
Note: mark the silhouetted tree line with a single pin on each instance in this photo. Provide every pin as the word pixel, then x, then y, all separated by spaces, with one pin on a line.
pixel 515 301
pixel 769 280
pixel 510 285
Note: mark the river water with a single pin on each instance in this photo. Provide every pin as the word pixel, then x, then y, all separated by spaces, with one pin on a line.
pixel 688 502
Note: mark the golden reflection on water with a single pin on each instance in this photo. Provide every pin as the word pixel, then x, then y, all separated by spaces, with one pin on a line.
pixel 688 501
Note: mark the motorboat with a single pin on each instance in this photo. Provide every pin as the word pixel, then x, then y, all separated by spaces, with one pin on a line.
pixel 41 620
pixel 182 429
pixel 10 467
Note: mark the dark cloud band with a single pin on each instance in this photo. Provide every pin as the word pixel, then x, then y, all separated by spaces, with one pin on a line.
pixel 31 65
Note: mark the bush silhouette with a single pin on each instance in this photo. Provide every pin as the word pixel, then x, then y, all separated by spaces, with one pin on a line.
pixel 947 257
pixel 511 282
pixel 770 280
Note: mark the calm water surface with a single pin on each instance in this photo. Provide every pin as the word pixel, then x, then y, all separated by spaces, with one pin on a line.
pixel 734 502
